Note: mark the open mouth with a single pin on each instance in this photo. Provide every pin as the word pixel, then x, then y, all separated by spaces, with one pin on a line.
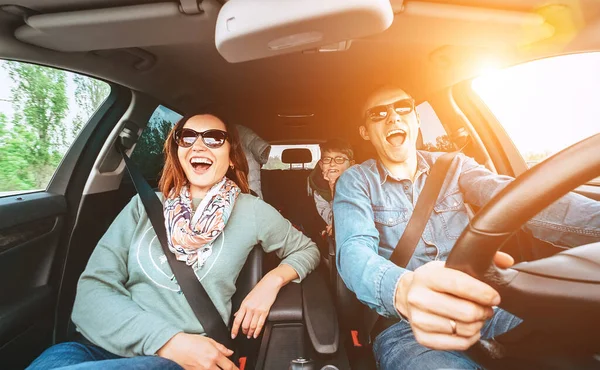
pixel 396 137
pixel 200 164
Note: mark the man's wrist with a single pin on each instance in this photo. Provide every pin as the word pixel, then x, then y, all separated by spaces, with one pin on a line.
pixel 401 291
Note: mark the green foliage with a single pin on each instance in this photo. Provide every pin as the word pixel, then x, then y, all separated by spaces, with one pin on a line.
pixel 533 158
pixel 3 128
pixel 148 153
pixel 275 163
pixel 32 148
pixel 89 94
pixel 33 142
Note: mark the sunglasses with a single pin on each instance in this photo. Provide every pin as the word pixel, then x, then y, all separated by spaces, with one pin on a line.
pixel 338 160
pixel 381 112
pixel 186 137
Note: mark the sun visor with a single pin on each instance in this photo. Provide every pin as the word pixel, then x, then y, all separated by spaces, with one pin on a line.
pixel 119 27
pixel 248 30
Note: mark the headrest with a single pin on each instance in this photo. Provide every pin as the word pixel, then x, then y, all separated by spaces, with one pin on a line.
pixel 296 155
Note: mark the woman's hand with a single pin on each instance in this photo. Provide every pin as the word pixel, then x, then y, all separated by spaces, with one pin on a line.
pixel 447 308
pixel 255 308
pixel 197 352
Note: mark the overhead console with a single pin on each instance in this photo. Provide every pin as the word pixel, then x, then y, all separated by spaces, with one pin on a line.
pixel 255 29
pixel 187 21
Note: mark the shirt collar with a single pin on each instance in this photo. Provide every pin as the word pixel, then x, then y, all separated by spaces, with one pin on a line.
pixel 422 167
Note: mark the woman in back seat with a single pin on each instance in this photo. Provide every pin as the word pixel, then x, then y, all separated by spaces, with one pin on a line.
pixel 128 304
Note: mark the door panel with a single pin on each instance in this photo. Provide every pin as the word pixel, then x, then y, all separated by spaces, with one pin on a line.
pixel 30 227
pixel 35 235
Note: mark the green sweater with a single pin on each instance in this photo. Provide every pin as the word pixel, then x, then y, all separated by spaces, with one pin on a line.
pixel 127 299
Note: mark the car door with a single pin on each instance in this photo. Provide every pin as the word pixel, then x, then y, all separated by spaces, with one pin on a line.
pixel 52 126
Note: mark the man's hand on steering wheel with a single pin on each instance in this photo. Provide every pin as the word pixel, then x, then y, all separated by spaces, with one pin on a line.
pixel 447 308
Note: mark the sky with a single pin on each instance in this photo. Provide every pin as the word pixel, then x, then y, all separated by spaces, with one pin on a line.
pixel 546 105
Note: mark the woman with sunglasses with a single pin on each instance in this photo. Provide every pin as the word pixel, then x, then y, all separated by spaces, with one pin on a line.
pixel 128 306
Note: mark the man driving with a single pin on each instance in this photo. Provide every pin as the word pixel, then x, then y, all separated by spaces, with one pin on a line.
pixel 430 314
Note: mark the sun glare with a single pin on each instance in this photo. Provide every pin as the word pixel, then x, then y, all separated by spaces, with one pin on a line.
pixel 545 105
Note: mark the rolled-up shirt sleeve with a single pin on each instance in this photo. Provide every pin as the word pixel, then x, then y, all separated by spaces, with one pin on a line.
pixel 370 276
pixel 570 221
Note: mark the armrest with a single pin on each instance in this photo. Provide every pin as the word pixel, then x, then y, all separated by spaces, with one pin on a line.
pixel 319 315
pixel 288 305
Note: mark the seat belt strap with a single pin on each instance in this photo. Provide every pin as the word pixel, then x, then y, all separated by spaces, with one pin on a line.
pixel 410 238
pixel 193 291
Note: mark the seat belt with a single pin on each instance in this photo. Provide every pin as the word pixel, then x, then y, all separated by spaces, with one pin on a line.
pixel 193 291
pixel 410 238
pixel 414 229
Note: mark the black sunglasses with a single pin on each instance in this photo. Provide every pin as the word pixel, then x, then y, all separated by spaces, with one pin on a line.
pixel 381 112
pixel 338 160
pixel 186 137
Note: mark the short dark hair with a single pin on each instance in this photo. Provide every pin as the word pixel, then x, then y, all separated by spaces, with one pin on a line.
pixel 337 145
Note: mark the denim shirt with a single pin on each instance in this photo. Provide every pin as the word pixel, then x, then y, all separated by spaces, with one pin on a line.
pixel 372 208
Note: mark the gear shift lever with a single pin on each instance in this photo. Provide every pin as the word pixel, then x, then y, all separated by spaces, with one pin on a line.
pixel 302 364
pixel 307 364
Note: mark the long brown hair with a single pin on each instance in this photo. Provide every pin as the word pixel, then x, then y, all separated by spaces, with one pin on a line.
pixel 173 177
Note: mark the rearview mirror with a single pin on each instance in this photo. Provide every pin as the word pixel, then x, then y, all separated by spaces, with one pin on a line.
pixel 248 30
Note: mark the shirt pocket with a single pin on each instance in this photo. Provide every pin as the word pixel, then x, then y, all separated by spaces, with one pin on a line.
pixel 451 213
pixel 389 217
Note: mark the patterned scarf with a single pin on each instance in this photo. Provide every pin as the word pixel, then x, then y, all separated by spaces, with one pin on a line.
pixel 191 235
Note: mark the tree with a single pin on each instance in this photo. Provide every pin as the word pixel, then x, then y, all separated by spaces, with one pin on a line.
pixel 34 146
pixel 89 94
pixel 148 153
pixel 3 123
pixel 275 163
pixel 442 144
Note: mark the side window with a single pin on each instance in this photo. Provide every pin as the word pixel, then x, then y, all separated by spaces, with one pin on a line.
pixel 42 110
pixel 435 138
pixel 545 105
pixel 275 163
pixel 148 152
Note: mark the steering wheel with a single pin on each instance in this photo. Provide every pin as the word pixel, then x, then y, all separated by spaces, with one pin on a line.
pixel 558 296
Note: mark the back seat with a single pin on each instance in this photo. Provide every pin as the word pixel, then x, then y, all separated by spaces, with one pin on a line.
pixel 286 191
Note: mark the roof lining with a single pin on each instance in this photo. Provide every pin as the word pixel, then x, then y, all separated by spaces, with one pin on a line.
pixel 116 28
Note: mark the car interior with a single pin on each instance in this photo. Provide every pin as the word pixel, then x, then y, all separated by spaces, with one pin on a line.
pixel 297 73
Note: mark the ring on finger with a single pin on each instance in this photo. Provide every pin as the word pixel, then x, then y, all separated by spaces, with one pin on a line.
pixel 453 326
